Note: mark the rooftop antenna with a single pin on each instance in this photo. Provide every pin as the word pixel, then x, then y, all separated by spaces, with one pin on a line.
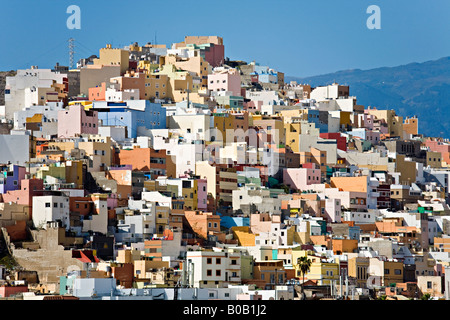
pixel 71 52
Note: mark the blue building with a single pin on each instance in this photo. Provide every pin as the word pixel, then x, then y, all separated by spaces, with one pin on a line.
pixel 228 222
pixel 265 74
pixel 313 116
pixel 10 177
pixel 131 114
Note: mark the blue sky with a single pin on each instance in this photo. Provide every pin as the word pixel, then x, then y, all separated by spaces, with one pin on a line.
pixel 299 38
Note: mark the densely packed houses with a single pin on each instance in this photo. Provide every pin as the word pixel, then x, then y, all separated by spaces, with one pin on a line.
pixel 177 173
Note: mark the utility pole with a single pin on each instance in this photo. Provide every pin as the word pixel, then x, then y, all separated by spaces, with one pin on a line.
pixel 71 52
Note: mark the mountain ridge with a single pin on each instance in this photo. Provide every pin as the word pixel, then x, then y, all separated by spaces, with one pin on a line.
pixel 416 88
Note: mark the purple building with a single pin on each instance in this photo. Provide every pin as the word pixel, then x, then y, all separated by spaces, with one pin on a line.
pixel 11 177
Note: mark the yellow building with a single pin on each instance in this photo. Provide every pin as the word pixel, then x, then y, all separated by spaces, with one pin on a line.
pixel 244 236
pixel 85 103
pixel 293 131
pixel 114 57
pixel 68 172
pixel 394 122
pixel 195 64
pixel 190 197
pixel 434 159
pixel 162 219
pixel 358 269
pixel 144 269
pixel 157 86
pixel 147 66
pixel 322 271
pixel 406 168
pixel 97 147
pixel 180 82
pixel 274 126
pixel 385 272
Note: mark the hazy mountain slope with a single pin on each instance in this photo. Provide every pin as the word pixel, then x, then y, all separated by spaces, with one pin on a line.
pixel 421 89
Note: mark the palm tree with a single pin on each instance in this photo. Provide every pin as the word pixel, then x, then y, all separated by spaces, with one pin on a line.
pixel 304 264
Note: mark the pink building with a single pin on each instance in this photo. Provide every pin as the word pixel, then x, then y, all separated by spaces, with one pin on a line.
pixel 301 178
pixel 202 194
pixel 75 121
pixel 24 196
pixel 366 120
pixel 331 210
pixel 226 80
pixel 253 106
pixel 373 136
pixel 262 222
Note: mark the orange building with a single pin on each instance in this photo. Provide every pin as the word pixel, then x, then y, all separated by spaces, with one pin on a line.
pixel 411 126
pixel 98 93
pixel 344 245
pixel 358 184
pixel 321 241
pixel 267 274
pixel 157 162
pixel 205 224
pixel 131 80
pixel 442 244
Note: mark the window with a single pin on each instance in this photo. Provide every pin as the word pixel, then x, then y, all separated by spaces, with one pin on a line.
pixel 209 272
pixel 218 261
pixel 429 285
pixel 218 273
pixel 208 260
pixel 397 271
pixel 55 205
pixel 233 261
pixel 386 271
pixel 47 204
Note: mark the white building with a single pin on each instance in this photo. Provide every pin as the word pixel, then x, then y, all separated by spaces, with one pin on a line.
pixel 97 222
pixel 214 269
pixel 257 197
pixel 49 113
pixel 360 217
pixel 50 209
pixel 267 97
pixel 277 237
pixel 30 87
pixel 112 94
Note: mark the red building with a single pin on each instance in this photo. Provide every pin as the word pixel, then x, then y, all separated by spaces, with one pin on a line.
pixel 8 291
pixel 340 140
